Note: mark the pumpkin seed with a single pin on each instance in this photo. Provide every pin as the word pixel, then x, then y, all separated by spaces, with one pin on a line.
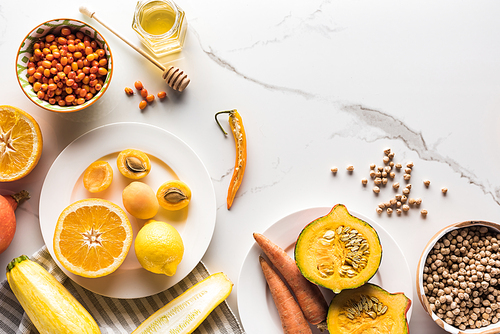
pixel 135 164
pixel 329 235
pixel 372 314
pixel 383 310
pixel 350 316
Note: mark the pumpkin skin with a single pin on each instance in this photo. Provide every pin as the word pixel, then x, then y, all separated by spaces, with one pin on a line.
pixel 326 252
pixel 346 315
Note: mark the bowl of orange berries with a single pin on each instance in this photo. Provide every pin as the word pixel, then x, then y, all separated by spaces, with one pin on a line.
pixel 64 65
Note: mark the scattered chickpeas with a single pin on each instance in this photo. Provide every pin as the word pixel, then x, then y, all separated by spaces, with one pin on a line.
pixel 382 205
pixel 395 185
pixel 387 151
pixel 406 191
pixel 418 201
pixel 399 211
pixel 411 201
pixel 406 207
pixel 444 190
pixel 373 174
pixel 377 181
pixel 391 155
pixel 143 104
pixel 384 181
pixel 392 175
pixel 427 183
pixel 386 160
pixel 334 170
pixel 423 212
pixel 161 95
pixel 350 168
pixel 399 166
pixel 376 190
pixel 379 210
pixel 408 170
pixel 389 211
pixel 407 177
pixel 129 91
pixel 409 164
pixel 364 182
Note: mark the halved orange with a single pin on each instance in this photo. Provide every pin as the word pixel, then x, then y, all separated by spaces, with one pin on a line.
pixel 92 237
pixel 20 143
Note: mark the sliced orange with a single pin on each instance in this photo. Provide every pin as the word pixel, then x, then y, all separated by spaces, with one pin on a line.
pixel 20 143
pixel 98 176
pixel 92 237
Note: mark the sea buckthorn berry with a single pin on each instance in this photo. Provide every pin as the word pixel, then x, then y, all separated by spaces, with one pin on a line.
pixel 102 71
pixel 65 31
pixel 144 92
pixel 138 85
pixel 129 91
pixel 162 95
pixel 56 67
pixel 143 104
pixel 150 98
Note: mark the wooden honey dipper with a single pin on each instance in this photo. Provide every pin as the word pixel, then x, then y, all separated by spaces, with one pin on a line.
pixel 173 76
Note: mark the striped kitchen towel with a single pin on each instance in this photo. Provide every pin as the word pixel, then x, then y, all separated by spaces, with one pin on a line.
pixel 111 314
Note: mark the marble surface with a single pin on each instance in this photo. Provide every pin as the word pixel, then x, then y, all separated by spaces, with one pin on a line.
pixel 319 84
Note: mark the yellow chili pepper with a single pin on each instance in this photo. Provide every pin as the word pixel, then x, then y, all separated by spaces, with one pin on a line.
pixel 236 124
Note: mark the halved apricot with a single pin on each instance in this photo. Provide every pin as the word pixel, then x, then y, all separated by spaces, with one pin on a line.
pixel 173 195
pixel 98 176
pixel 133 164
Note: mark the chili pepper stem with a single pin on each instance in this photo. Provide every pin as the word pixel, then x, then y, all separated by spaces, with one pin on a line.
pixel 217 120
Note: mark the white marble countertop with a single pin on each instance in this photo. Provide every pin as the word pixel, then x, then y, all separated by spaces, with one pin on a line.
pixel 318 84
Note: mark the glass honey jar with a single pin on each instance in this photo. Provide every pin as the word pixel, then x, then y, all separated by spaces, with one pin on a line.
pixel 161 25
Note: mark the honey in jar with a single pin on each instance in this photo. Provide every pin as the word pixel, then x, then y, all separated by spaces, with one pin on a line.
pixel 161 25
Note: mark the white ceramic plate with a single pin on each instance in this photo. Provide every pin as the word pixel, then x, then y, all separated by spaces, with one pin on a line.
pixel 255 304
pixel 171 158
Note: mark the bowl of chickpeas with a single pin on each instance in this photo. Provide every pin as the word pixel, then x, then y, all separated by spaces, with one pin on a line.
pixel 64 65
pixel 458 278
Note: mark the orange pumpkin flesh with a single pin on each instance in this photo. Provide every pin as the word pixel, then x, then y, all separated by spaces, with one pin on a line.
pixel 338 251
pixel 368 309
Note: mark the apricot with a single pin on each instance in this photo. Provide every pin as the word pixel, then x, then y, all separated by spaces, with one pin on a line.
pixel 139 200
pixel 173 195
pixel 97 176
pixel 133 164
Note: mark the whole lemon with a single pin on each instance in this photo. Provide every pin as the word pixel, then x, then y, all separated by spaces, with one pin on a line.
pixel 159 247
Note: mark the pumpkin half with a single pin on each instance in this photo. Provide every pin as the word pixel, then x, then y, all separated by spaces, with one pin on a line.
pixel 368 309
pixel 338 251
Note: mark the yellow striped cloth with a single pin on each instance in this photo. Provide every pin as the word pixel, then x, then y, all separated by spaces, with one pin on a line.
pixel 111 314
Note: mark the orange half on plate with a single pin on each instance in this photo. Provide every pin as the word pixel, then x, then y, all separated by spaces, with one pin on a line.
pixel 92 237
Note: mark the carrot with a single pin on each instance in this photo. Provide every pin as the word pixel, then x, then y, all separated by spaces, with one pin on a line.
pixel 291 316
pixel 309 296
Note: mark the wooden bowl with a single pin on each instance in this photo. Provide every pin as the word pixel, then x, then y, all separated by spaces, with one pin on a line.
pixel 490 329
